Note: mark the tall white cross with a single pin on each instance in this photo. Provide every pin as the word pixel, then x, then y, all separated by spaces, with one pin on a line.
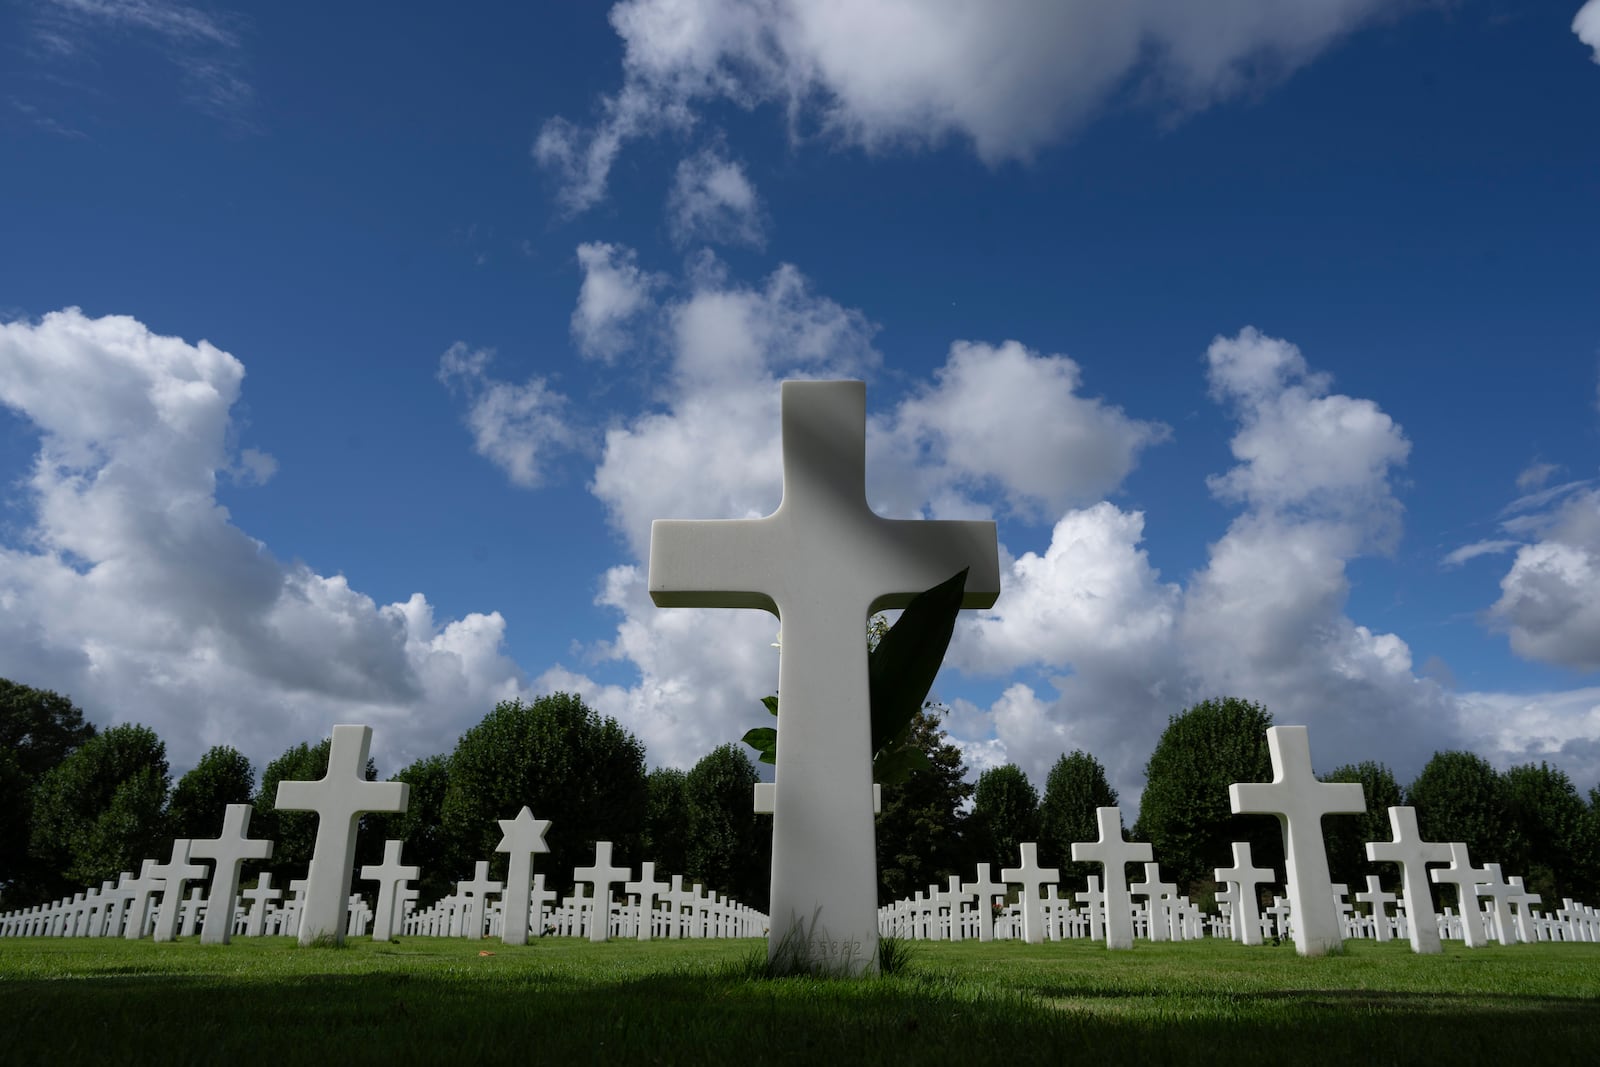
pixel 228 852
pixel 391 876
pixel 1244 876
pixel 1413 855
pixel 147 884
pixel 602 875
pixel 1375 897
pixel 648 890
pixel 823 563
pixel 1466 879
pixel 1500 893
pixel 340 797
pixel 986 889
pixel 958 896
pixel 521 837
pixel 1093 900
pixel 474 896
pixel 174 874
pixel 256 922
pixel 1524 901
pixel 1114 853
pixel 1161 901
pixel 1032 878
pixel 1299 801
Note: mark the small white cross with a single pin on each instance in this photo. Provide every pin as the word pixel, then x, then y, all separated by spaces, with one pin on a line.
pixel 1114 853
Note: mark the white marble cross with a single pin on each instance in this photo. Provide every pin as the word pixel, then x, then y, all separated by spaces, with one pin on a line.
pixel 1093 900
pixel 958 896
pixel 823 563
pixel 474 895
pixel 1244 876
pixel 521 837
pixel 340 797
pixel 174 874
pixel 1413 855
pixel 228 852
pixel 1032 878
pixel 1161 900
pixel 391 876
pixel 1379 900
pixel 987 890
pixel 1466 879
pixel 1299 801
pixel 648 890
pixel 259 897
pixel 1524 901
pixel 1113 853
pixel 1500 893
pixel 146 885
pixel 602 876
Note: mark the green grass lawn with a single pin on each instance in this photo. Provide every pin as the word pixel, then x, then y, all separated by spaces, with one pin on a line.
pixel 426 1000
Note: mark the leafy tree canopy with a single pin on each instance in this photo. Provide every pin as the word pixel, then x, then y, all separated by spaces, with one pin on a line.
pixel 1460 797
pixel 1075 787
pixel 1185 813
pixel 101 809
pixel 1005 813
pixel 728 849
pixel 582 772
pixel 921 833
pixel 1346 836
pixel 666 821
pixel 296 831
pixel 201 798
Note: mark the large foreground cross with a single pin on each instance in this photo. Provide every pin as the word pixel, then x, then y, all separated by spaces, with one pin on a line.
pixel 340 797
pixel 823 562
pixel 1300 801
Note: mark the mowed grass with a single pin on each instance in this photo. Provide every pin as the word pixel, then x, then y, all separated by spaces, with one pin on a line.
pixel 425 1000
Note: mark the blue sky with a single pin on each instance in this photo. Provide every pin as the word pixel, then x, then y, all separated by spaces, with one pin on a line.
pixel 1266 331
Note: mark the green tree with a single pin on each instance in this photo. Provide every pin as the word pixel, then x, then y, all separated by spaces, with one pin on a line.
pixel 1075 787
pixel 201 798
pixel 1005 813
pixel 38 729
pixel 1460 797
pixel 1551 819
pixel 666 821
pixel 1185 813
pixel 1346 836
pixel 420 826
pixel 921 832
pixel 101 809
pixel 558 756
pixel 295 832
pixel 728 849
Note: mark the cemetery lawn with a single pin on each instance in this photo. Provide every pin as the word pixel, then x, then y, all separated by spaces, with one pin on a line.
pixel 425 1000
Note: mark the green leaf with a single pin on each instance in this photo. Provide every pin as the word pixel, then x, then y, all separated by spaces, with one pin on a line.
pixel 764 739
pixel 901 669
pixel 771 703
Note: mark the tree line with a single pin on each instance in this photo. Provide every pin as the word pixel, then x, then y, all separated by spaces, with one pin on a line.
pixel 83 805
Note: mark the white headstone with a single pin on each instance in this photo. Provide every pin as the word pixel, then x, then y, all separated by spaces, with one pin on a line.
pixel 474 895
pixel 1500 893
pixel 1113 853
pixel 602 875
pixel 1032 878
pixel 146 885
pixel 1299 801
pixel 648 890
pixel 1524 901
pixel 340 798
pixel 521 837
pixel 1159 900
pixel 986 891
pixel 1466 879
pixel 1413 855
pixel 259 897
pixel 174 874
pixel 823 562
pixel 391 876
pixel 1244 876
pixel 1379 900
pixel 228 852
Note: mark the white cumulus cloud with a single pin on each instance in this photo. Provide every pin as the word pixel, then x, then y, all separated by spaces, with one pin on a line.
pixel 132 590
pixel 518 428
pixel 714 201
pixel 1007 77
pixel 1586 24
